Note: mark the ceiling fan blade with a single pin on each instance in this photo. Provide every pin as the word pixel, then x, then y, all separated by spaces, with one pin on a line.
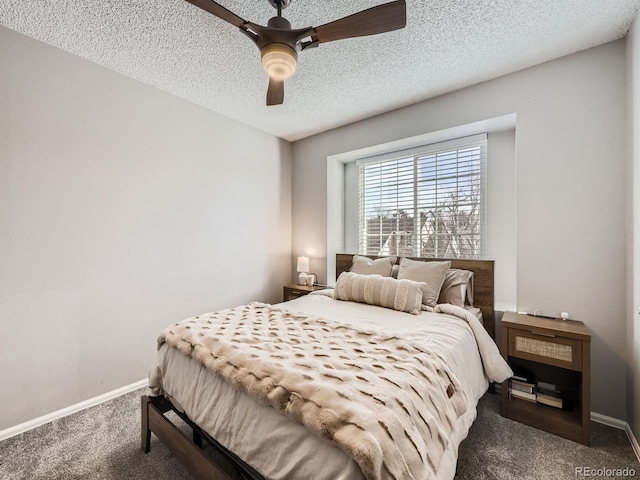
pixel 275 93
pixel 380 19
pixel 219 11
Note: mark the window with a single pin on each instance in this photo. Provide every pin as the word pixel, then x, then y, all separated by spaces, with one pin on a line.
pixel 425 202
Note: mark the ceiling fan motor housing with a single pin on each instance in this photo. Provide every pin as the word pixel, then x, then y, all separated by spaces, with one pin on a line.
pixel 279 22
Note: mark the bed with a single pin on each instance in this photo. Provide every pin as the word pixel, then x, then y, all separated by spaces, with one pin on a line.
pixel 259 428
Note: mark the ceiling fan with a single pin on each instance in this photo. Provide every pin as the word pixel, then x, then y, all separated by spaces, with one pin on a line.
pixel 280 44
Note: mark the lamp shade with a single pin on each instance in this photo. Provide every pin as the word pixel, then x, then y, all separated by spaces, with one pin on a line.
pixel 303 264
pixel 279 60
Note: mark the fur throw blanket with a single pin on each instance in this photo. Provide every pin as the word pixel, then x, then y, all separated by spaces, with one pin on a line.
pixel 383 399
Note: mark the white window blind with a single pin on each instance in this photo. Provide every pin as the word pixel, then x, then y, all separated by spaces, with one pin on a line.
pixel 425 202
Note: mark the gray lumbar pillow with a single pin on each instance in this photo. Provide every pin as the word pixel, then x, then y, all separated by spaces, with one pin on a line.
pixel 401 295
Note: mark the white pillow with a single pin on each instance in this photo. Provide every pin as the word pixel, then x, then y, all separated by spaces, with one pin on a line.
pixel 401 295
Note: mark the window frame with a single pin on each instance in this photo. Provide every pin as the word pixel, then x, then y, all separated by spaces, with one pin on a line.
pixel 416 155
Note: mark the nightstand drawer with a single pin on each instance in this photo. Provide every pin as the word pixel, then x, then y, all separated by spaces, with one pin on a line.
pixel 291 292
pixel 546 348
pixel 295 293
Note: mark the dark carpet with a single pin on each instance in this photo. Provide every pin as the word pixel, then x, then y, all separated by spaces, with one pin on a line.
pixel 499 448
pixel 103 442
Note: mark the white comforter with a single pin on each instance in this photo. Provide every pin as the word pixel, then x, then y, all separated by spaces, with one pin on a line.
pixel 237 421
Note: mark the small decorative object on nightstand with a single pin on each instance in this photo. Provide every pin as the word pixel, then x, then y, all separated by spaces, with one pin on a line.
pixel 291 292
pixel 551 389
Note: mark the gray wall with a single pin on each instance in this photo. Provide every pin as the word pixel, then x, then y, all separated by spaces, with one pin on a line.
pixel 122 210
pixel 569 191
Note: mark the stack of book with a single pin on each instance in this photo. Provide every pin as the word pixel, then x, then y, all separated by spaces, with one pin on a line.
pixel 525 386
pixel 547 394
pixel 522 389
pixel 522 384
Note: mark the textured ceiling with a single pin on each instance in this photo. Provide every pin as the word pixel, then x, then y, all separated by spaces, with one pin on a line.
pixel 446 45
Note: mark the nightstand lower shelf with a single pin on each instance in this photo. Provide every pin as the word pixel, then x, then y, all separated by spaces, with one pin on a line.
pixel 543 417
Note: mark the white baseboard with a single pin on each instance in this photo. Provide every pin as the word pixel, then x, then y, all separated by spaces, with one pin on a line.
pixel 610 421
pixel 620 424
pixel 36 422
pixel 634 442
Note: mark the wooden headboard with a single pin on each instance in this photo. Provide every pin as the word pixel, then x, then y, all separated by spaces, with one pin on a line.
pixel 483 290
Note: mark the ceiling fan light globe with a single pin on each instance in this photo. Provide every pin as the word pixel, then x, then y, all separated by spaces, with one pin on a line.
pixel 279 60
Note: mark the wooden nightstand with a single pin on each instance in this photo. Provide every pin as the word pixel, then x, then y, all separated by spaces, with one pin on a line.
pixel 556 352
pixel 291 292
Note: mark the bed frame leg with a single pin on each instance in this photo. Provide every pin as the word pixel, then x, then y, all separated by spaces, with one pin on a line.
pixel 145 435
pixel 192 457
pixel 197 438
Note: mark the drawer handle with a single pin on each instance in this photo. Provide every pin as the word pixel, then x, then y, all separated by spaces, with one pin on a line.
pixel 550 335
pixel 296 292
